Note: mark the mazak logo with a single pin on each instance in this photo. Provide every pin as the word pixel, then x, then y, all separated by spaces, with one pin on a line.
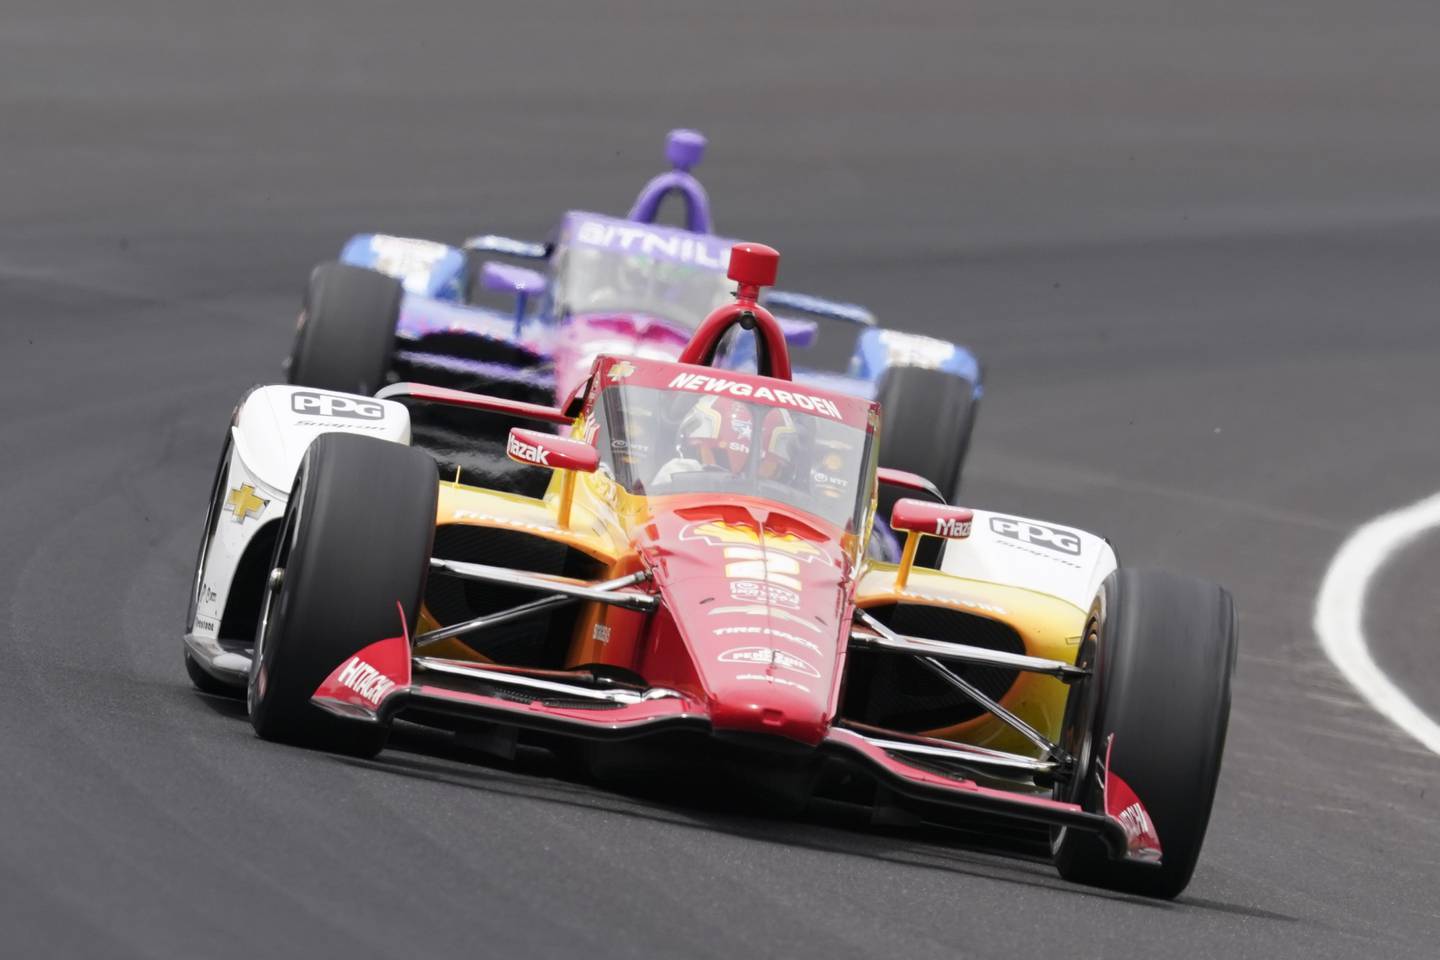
pixel 1037 534
pixel 769 657
pixel 527 452
pixel 365 680
pixel 952 529
pixel 333 405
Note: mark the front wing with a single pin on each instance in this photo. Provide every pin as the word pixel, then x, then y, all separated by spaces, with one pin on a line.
pixel 385 680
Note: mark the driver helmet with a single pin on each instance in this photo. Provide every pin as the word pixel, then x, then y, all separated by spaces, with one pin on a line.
pixel 780 446
pixel 717 432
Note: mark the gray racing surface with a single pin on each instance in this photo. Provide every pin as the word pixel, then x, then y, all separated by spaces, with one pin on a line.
pixel 1196 246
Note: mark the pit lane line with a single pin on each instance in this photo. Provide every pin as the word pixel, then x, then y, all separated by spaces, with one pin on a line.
pixel 1340 612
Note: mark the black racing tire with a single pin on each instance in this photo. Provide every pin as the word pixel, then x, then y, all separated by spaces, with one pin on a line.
pixel 1162 648
pixel 356 538
pixel 345 339
pixel 927 418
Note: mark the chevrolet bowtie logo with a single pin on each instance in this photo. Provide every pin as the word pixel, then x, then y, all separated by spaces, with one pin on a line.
pixel 243 503
pixel 621 370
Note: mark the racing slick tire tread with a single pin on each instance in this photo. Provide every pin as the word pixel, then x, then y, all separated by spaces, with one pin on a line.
pixel 928 418
pixel 346 336
pixel 356 538
pixel 1162 656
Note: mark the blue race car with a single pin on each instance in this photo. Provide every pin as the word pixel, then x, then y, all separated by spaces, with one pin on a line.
pixel 396 308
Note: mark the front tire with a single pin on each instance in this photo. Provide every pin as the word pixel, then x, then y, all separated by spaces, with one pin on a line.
pixel 356 538
pixel 1162 649
pixel 345 340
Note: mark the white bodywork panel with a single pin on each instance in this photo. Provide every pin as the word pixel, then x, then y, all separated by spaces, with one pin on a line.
pixel 271 431
pixel 276 425
pixel 1045 557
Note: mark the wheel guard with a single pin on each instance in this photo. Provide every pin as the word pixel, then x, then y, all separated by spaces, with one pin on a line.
pixel 360 685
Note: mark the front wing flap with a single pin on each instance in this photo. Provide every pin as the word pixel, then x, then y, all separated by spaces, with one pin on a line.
pixel 383 680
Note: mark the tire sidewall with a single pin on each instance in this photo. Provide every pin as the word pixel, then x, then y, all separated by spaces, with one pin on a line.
pixel 333 598
pixel 1164 649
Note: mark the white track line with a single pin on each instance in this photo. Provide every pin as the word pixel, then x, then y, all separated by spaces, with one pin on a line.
pixel 1340 612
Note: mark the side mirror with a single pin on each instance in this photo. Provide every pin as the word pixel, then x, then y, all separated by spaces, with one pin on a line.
pixel 508 278
pixel 559 453
pixel 931 519
pixel 920 518
pixel 905 480
pixel 548 450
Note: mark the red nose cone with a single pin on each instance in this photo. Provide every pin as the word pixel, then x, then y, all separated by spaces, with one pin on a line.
pixel 754 264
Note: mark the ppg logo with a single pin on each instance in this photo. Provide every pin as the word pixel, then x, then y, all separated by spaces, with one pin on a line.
pixel 332 405
pixel 1037 534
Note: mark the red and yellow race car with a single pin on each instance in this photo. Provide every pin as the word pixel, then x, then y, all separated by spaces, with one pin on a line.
pixel 695 592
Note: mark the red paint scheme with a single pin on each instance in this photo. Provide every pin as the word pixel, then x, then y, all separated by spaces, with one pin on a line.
pixel 880 758
pixel 366 680
pixel 759 597
pixel 537 449
pixel 646 713
pixel 1122 806
pixel 752 266
pixel 933 519
pixel 474 401
pixel 630 371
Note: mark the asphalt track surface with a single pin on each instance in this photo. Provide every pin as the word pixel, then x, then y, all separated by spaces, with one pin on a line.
pixel 1197 250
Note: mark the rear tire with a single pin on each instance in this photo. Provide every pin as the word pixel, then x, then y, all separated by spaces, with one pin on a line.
pixel 1162 649
pixel 928 417
pixel 356 538
pixel 346 336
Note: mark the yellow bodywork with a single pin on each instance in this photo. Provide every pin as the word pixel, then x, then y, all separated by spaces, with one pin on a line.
pixel 1050 628
pixel 602 513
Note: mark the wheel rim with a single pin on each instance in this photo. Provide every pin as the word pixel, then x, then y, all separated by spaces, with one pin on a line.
pixel 1082 749
pixel 274 590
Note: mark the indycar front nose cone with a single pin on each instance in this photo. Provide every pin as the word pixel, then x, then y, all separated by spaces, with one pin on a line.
pixel 758 597
pixel 760 703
